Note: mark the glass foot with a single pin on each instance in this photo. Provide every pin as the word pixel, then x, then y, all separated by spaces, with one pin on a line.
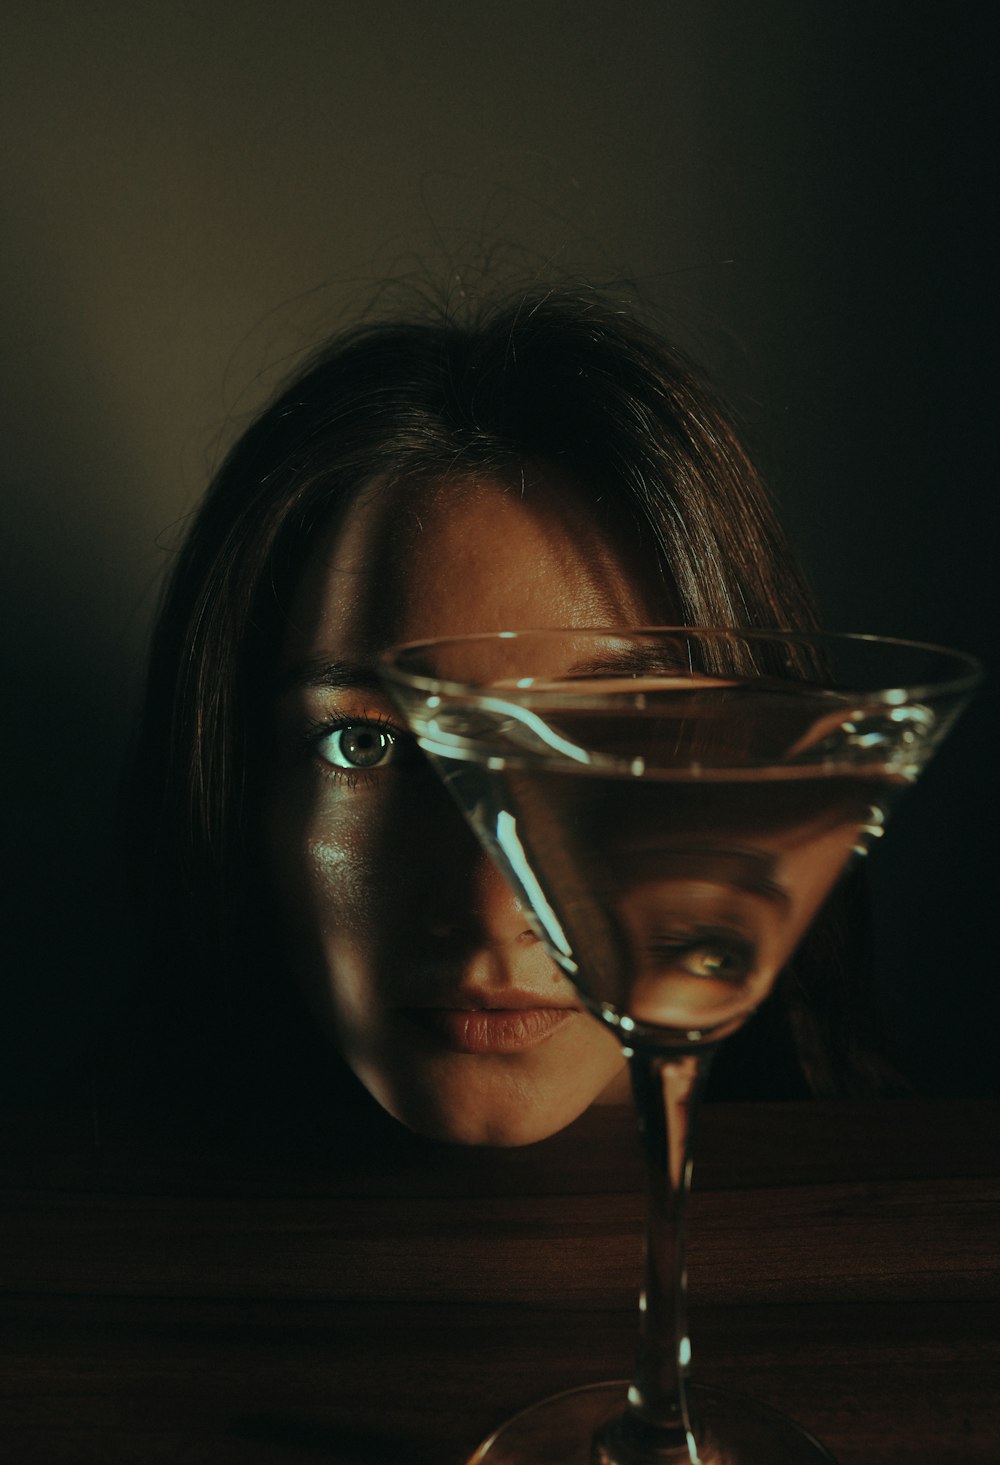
pixel 734 1431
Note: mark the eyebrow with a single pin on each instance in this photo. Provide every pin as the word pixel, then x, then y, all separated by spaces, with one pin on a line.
pixel 330 675
pixel 634 661
pixel 334 674
pixel 740 872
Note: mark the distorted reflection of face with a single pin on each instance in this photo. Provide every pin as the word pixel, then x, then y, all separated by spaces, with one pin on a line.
pixel 411 947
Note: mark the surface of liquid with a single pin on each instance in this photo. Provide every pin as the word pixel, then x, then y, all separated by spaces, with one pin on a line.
pixel 671 890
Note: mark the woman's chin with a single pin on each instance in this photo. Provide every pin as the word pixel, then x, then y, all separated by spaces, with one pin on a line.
pixel 492 1130
pixel 501 1111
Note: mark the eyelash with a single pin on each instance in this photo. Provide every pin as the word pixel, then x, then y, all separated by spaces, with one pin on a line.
pixel 350 777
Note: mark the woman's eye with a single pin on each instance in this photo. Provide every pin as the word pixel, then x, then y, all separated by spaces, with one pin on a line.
pixel 719 958
pixel 356 745
pixel 724 961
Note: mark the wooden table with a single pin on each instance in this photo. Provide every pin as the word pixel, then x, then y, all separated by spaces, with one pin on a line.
pixel 171 1304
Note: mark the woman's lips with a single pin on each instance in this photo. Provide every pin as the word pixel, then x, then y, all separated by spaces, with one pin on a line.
pixel 491 1029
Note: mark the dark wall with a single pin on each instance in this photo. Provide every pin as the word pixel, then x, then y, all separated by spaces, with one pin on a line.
pixel 197 192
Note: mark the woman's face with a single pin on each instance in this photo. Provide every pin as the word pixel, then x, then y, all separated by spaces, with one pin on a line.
pixel 410 946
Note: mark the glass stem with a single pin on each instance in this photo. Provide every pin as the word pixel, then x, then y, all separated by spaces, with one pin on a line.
pixel 656 1427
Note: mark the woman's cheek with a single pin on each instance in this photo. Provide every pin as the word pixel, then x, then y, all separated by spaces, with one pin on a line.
pixel 346 870
pixel 343 878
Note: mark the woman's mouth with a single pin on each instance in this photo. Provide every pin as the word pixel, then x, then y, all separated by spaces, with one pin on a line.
pixel 490 1029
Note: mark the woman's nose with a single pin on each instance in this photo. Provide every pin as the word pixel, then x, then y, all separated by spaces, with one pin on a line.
pixel 497 911
pixel 478 906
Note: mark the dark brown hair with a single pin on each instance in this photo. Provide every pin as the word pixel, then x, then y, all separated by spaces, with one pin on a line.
pixel 565 377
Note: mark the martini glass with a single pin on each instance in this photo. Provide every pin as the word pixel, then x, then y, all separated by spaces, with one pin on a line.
pixel 672 806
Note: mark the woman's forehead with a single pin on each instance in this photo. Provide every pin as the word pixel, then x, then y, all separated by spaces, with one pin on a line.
pixel 451 556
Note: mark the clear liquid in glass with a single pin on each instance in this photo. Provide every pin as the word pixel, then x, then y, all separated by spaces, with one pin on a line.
pixel 670 887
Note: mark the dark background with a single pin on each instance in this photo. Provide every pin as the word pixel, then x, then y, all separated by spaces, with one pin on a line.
pixel 196 191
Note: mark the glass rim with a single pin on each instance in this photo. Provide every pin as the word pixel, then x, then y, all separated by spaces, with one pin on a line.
pixel 968 675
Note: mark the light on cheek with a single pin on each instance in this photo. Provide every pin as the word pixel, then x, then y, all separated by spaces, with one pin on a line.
pixel 323 855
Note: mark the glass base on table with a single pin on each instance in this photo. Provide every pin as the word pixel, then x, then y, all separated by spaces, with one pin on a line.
pixel 733 1431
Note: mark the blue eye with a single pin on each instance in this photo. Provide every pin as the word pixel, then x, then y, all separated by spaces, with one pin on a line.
pixel 356 745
